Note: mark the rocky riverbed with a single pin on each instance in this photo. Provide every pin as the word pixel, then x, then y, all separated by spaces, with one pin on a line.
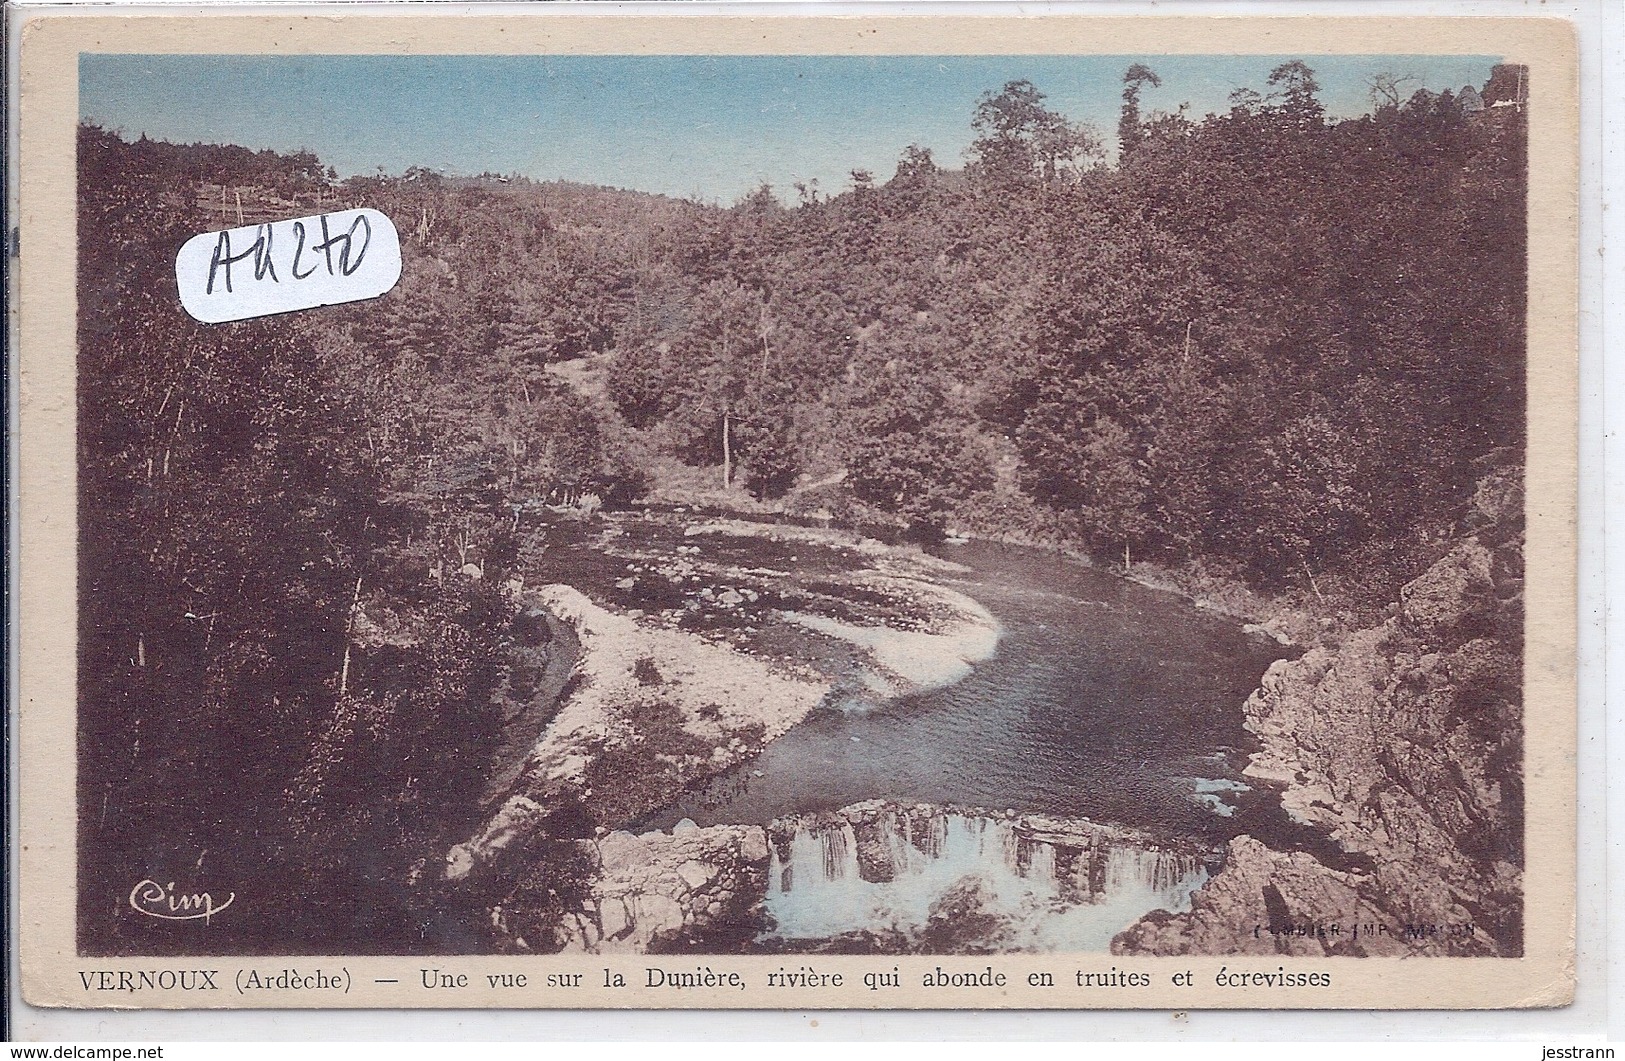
pixel 694 658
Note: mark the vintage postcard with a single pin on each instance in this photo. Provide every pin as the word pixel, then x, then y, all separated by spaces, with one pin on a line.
pixel 581 510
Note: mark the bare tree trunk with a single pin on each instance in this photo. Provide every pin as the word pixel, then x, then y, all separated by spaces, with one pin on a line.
pixel 727 453
pixel 766 327
pixel 349 628
pixel 1312 583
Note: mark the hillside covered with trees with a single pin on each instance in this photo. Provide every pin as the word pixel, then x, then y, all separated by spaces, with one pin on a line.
pixel 1263 346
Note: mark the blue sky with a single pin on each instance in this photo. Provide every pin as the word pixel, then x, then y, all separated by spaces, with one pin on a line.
pixel 712 127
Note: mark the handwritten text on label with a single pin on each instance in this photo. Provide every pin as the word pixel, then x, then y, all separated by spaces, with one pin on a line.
pixel 280 266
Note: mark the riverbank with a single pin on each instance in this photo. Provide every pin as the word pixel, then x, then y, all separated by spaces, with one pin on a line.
pixel 1290 618
pixel 704 651
pixel 649 712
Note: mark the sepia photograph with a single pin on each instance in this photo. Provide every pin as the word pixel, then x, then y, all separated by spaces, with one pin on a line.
pixel 802 507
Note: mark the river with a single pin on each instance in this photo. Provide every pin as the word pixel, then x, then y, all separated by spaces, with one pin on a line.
pixel 1104 700
pixel 1101 703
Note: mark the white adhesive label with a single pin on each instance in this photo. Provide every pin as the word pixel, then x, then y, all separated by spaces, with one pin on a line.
pixel 280 266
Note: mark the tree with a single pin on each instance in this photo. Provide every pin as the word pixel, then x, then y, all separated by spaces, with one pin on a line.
pixel 213 649
pixel 915 165
pixel 715 385
pixel 1387 90
pixel 1129 131
pixel 1020 141
pixel 1296 87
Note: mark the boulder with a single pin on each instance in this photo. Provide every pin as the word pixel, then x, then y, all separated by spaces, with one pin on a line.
pixel 660 891
pixel 963 920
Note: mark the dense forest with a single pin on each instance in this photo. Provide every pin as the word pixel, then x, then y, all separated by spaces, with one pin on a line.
pixel 1265 346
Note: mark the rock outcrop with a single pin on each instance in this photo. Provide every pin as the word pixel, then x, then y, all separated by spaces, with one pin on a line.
pixel 1402 745
pixel 657 702
pixel 687 889
pixel 1267 902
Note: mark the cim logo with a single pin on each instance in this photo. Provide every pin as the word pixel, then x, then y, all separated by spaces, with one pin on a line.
pixel 164 902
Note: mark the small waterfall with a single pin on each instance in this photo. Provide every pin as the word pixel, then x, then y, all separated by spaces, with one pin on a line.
pixel 933 837
pixel 840 852
pixel 1038 862
pixel 930 874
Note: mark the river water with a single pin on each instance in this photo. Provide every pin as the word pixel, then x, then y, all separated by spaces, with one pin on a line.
pixel 1104 699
